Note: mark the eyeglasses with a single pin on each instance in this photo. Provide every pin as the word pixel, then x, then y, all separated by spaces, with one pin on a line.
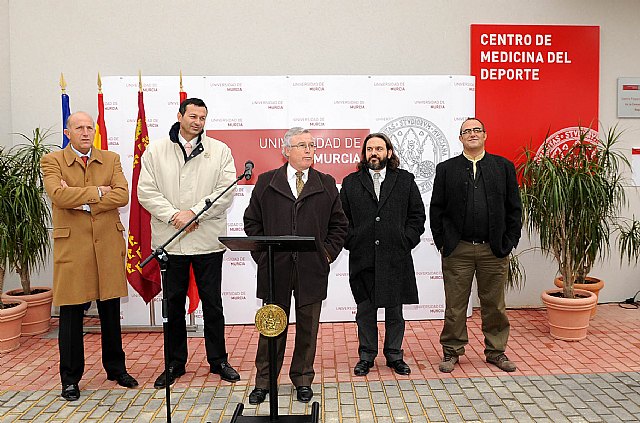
pixel 303 146
pixel 475 130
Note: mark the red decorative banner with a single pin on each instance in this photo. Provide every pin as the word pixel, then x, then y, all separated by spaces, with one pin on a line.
pixel 337 153
pixel 533 81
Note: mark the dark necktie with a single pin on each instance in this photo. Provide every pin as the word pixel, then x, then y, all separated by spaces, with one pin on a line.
pixel 299 183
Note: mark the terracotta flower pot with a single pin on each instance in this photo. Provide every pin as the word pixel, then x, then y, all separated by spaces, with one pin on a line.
pixel 38 318
pixel 594 285
pixel 11 325
pixel 569 317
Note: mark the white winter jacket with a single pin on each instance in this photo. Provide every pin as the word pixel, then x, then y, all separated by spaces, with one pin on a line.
pixel 170 182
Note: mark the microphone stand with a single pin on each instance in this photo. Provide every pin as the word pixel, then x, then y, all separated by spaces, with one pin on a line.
pixel 160 254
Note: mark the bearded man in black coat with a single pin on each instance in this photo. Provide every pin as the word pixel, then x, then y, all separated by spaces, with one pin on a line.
pixel 386 218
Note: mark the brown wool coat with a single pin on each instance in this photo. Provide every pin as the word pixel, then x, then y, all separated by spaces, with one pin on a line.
pixel 88 248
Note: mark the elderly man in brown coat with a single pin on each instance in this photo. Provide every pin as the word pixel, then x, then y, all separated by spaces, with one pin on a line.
pixel 86 187
pixel 296 199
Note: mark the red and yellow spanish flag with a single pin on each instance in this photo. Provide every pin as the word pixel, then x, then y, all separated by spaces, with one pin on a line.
pixel 145 281
pixel 192 290
pixel 183 94
pixel 100 140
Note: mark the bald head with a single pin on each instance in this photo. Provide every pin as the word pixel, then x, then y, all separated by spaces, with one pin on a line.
pixel 80 130
pixel 77 114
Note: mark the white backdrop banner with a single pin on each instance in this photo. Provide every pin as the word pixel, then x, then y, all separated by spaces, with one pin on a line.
pixel 421 115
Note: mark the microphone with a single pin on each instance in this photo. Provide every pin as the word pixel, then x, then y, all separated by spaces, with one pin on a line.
pixel 248 169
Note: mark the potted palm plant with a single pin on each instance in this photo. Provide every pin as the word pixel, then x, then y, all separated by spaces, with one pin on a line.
pixel 11 312
pixel 5 175
pixel 573 199
pixel 27 218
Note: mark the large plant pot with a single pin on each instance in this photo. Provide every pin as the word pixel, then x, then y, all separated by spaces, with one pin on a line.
pixel 569 317
pixel 11 325
pixel 594 285
pixel 38 318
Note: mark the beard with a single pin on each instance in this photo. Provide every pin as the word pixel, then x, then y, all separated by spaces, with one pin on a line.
pixel 380 164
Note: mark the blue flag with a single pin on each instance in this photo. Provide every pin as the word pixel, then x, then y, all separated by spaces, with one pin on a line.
pixel 65 114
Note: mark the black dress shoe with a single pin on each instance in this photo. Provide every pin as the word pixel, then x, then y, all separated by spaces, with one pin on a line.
pixel 399 366
pixel 257 396
pixel 362 368
pixel 124 379
pixel 305 393
pixel 174 373
pixel 70 392
pixel 226 372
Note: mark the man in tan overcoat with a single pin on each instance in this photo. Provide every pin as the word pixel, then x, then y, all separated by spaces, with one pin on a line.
pixel 86 187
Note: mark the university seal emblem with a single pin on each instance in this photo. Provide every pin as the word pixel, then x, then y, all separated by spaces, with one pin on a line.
pixel 271 320
pixel 561 141
pixel 420 145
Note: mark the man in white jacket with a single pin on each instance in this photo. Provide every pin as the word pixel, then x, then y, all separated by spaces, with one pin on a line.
pixel 178 173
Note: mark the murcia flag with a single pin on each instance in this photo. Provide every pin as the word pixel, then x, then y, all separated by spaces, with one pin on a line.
pixel 146 281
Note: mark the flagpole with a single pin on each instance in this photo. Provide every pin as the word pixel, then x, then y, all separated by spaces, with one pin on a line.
pixel 162 261
pixel 192 316
pixel 66 111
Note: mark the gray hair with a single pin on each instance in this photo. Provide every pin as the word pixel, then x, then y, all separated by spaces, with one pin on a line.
pixel 286 142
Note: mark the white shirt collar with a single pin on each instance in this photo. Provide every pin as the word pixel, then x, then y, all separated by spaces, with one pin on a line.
pixel 183 141
pixel 291 173
pixel 382 172
pixel 292 179
pixel 79 153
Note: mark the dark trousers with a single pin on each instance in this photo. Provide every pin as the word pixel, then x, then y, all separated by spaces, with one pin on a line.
pixel 207 269
pixel 301 371
pixel 491 275
pixel 71 345
pixel 367 320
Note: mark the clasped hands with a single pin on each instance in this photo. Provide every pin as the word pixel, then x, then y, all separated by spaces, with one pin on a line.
pixel 180 219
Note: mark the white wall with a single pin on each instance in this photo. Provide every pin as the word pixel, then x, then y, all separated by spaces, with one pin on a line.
pixel 243 37
pixel 5 79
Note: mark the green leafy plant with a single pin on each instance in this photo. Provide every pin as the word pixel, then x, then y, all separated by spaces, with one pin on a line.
pixel 629 240
pixel 5 175
pixel 573 201
pixel 25 209
pixel 516 275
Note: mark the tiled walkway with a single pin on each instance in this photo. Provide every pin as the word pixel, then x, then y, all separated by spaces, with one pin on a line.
pixel 595 380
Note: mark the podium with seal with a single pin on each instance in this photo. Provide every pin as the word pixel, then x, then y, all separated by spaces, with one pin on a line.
pixel 271 320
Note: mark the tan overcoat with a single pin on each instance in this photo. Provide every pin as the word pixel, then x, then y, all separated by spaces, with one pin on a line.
pixel 88 247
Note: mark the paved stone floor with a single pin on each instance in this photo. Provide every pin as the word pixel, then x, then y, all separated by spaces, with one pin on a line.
pixel 594 380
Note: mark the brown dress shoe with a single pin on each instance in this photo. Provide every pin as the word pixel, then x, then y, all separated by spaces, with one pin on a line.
pixel 502 362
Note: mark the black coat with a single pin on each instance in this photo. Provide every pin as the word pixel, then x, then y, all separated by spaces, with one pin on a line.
pixel 449 197
pixel 382 234
pixel 273 211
